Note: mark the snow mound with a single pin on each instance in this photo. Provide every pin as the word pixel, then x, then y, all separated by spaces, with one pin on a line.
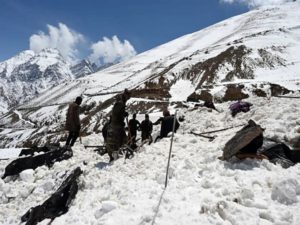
pixel 107 206
pixel 286 191
pixel 27 175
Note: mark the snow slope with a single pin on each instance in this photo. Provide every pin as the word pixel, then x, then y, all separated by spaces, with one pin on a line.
pixel 242 56
pixel 271 34
pixel 201 189
pixel 9 153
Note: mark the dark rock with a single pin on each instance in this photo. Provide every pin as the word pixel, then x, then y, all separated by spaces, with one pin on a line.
pixel 58 204
pixel 35 149
pixel 234 92
pixel 282 154
pixel 248 139
pixel 203 96
pixel 32 162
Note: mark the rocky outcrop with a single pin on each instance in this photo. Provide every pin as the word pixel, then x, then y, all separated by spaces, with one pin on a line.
pixel 84 68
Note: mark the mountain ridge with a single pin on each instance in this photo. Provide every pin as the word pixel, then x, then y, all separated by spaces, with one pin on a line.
pixel 256 53
pixel 29 74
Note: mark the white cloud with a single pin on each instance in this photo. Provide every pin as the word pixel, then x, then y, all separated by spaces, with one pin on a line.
pixel 62 38
pixel 111 50
pixel 70 43
pixel 256 3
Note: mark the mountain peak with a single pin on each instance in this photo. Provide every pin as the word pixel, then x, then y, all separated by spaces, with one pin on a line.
pixel 25 53
pixel 50 53
pixel 8 65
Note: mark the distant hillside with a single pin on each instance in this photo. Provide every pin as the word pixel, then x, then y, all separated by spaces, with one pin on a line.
pixel 256 53
pixel 27 75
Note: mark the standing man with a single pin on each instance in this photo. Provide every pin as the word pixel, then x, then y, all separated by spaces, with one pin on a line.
pixel 73 122
pixel 133 126
pixel 116 135
pixel 146 128
pixel 166 124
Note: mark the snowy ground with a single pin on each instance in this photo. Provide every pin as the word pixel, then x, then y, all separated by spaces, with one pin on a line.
pixel 201 190
pixel 7 153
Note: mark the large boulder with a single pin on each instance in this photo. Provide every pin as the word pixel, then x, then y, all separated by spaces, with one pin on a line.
pixel 247 140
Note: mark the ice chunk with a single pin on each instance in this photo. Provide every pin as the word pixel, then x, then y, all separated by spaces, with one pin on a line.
pixel 107 206
pixel 27 175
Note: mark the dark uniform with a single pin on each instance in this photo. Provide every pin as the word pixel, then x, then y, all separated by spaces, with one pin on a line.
pixel 116 135
pixel 73 121
pixel 166 125
pixel 133 126
pixel 146 128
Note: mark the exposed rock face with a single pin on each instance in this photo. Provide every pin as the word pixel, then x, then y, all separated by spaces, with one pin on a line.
pixel 234 57
pixel 83 68
pixel 204 95
pixel 236 62
pixel 27 75
pixel 234 92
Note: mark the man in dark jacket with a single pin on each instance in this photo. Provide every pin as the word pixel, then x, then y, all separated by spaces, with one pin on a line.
pixel 166 122
pixel 73 122
pixel 116 135
pixel 133 126
pixel 146 128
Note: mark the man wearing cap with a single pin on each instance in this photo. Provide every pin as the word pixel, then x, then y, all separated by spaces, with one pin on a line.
pixel 73 122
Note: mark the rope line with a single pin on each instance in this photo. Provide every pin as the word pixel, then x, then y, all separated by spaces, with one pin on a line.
pixel 158 206
pixel 167 172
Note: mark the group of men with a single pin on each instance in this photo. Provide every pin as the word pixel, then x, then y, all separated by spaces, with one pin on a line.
pixel 114 132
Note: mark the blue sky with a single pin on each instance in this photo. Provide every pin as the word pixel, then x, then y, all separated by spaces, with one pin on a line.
pixel 143 23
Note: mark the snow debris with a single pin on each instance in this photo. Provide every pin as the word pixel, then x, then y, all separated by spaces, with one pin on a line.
pixel 286 191
pixel 27 175
pixel 107 206
pixel 201 188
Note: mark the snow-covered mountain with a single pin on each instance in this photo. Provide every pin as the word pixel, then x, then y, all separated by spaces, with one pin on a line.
pixel 84 68
pixel 28 74
pixel 256 53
